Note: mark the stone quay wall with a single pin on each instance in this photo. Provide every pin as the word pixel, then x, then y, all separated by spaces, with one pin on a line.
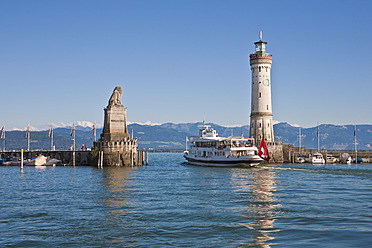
pixel 290 153
pixel 81 157
pixel 275 152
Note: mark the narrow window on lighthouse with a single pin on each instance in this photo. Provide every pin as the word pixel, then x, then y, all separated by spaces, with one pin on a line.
pixel 259 69
pixel 267 106
pixel 260 94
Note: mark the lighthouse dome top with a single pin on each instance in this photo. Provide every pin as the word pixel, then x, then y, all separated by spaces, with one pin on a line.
pixel 260 41
pixel 260 52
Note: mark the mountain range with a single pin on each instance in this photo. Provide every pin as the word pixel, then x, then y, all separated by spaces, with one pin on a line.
pixel 171 136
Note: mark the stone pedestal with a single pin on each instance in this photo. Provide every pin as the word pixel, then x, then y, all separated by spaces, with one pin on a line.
pixel 115 142
pixel 115 124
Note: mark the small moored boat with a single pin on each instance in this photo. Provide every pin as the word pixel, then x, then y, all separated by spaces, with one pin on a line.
pixel 317 158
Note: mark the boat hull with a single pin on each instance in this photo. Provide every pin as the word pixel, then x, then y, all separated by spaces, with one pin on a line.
pixel 233 162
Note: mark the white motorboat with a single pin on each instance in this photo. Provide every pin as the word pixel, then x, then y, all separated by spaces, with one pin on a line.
pixel 14 161
pixel 53 162
pixel 211 150
pixel 41 160
pixel 330 159
pixel 317 158
pixel 300 160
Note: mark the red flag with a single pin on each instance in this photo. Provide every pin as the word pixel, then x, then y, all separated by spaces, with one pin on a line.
pixel 263 152
pixel 3 132
pixel 94 128
pixel 50 134
pixel 28 132
pixel 73 130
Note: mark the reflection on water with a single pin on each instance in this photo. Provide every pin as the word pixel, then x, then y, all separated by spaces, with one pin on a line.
pixel 116 181
pixel 263 205
pixel 169 205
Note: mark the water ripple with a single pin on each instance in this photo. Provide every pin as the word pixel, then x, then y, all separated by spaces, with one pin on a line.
pixel 168 204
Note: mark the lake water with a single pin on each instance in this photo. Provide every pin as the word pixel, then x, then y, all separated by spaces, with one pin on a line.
pixel 169 204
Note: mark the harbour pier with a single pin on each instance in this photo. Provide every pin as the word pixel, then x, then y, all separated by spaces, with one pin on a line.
pixel 290 153
pixel 82 158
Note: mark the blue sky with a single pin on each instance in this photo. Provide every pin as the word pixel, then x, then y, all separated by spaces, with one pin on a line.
pixel 183 61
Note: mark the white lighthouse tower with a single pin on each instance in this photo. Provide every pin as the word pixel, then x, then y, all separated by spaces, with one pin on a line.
pixel 261 125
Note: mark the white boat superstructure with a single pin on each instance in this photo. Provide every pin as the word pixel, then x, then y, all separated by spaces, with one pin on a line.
pixel 317 158
pixel 300 160
pixel 330 159
pixel 211 150
pixel 41 160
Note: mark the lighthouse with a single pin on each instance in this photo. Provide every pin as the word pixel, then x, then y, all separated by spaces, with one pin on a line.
pixel 261 125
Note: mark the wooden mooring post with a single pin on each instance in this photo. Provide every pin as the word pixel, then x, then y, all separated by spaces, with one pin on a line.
pixel 21 160
pixel 141 158
pixel 147 158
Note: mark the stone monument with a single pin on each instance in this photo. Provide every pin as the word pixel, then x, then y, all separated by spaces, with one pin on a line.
pixel 115 146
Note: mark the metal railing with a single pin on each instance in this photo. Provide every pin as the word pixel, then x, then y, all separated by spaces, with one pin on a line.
pixel 260 56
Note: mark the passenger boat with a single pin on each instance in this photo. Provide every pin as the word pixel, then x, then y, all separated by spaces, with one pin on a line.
pixel 211 150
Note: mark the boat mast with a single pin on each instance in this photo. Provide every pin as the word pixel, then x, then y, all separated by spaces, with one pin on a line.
pixel 299 136
pixel 2 136
pixel 318 136
pixel 28 137
pixel 51 138
pixel 355 144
